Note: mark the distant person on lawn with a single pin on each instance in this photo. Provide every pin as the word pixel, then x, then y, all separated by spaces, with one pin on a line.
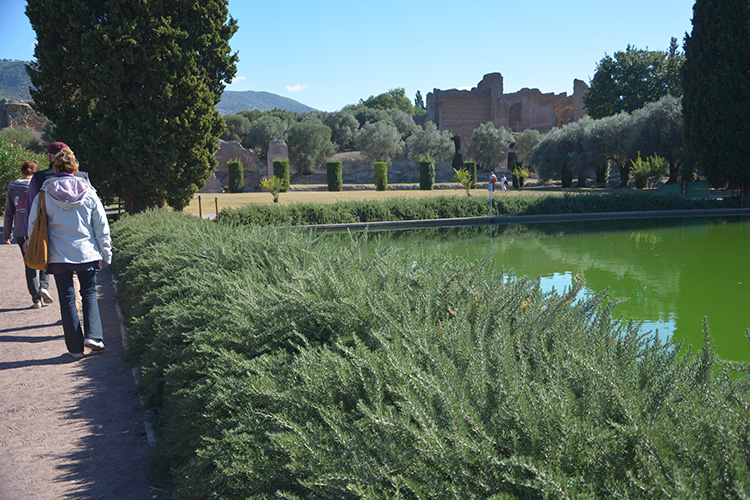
pixel 15 218
pixel 78 242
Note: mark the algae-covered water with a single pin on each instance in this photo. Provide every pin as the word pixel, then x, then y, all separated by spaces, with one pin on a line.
pixel 674 272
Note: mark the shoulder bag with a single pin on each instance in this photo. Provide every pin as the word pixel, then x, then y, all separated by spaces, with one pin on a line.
pixel 36 252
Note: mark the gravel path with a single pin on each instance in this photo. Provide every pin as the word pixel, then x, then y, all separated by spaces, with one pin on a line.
pixel 68 429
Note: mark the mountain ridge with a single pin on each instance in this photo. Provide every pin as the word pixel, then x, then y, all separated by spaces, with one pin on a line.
pixel 15 83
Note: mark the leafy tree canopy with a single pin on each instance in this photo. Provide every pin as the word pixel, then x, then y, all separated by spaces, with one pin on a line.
pixel 393 99
pixel 632 78
pixel 310 145
pixel 132 88
pixel 379 141
pixel 489 145
pixel 432 143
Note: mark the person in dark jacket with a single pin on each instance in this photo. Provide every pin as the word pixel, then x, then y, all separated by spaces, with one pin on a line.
pixel 15 217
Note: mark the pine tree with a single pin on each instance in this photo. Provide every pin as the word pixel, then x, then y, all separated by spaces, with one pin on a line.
pixel 716 84
pixel 131 87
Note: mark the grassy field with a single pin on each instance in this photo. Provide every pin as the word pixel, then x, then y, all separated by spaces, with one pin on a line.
pixel 209 201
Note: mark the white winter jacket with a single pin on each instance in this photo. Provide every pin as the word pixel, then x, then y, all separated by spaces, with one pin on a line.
pixel 77 224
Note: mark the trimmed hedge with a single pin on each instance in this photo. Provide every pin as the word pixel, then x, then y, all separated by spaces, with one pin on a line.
pixel 426 174
pixel 334 171
pixel 286 365
pixel 393 209
pixel 281 170
pixel 236 176
pixel 381 175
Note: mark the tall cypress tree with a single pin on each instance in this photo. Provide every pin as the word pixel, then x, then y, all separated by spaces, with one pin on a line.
pixel 131 86
pixel 716 85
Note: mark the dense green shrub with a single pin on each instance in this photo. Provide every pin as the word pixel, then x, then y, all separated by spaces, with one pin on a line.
pixel 275 375
pixel 12 155
pixel 395 209
pixel 236 176
pixel 334 171
pixel 281 170
pixel 426 173
pixel 381 175
pixel 471 168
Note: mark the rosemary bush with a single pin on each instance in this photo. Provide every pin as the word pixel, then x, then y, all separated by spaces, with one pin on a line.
pixel 278 375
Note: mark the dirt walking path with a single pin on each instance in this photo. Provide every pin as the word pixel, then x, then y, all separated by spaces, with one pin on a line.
pixel 68 429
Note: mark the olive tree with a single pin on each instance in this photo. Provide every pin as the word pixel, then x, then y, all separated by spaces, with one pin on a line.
pixel 489 145
pixel 379 141
pixel 431 142
pixel 310 146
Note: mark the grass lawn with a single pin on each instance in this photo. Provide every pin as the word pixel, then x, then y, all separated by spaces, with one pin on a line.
pixel 231 200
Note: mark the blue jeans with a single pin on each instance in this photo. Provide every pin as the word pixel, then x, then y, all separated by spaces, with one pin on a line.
pixel 32 282
pixel 92 323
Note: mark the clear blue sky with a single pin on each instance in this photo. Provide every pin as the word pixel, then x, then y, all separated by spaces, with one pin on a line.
pixel 331 53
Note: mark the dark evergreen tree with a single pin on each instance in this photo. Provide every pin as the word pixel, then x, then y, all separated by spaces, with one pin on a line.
pixel 716 83
pixel 131 86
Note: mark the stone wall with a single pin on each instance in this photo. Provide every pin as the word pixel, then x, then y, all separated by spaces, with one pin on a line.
pixel 229 150
pixel 19 114
pixel 461 111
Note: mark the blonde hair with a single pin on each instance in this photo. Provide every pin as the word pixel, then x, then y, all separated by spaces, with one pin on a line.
pixel 65 161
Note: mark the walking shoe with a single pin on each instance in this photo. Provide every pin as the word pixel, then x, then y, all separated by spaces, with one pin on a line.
pixel 93 344
pixel 46 297
pixel 37 304
pixel 76 355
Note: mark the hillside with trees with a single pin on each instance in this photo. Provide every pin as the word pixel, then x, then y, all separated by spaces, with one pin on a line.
pixel 14 82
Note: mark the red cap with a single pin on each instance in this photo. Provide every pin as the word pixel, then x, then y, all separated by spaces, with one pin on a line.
pixel 55 147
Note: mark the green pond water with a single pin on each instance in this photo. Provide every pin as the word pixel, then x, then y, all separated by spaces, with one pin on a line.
pixel 674 272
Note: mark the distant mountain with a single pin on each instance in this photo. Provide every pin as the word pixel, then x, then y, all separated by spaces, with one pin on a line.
pixel 15 83
pixel 233 102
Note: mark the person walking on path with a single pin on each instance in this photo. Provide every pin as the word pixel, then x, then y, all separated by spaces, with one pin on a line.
pixel 79 240
pixel 13 224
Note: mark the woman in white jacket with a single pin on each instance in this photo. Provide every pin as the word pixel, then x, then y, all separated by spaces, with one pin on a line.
pixel 78 242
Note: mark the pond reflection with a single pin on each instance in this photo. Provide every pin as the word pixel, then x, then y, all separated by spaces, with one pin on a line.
pixel 673 271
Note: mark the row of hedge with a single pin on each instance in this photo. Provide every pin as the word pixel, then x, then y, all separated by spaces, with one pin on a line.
pixel 442 207
pixel 284 365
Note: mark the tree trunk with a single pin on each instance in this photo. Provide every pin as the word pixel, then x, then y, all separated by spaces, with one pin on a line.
pixel 674 170
pixel 745 197
pixel 581 181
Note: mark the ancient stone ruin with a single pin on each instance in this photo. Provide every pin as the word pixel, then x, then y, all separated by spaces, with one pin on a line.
pixel 20 114
pixel 461 111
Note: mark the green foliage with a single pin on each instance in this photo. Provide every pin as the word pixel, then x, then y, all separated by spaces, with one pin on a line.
pixel 274 185
pixel 409 375
pixel 644 170
pixel 262 131
pixel 404 123
pixel 393 99
pixel 233 101
pixel 426 173
pixel 310 145
pixel 236 176
pixel 334 172
pixel 344 126
pixel 489 145
pixel 12 155
pixel 23 137
pixel 300 214
pixel 433 142
pixel 463 177
pixel 419 107
pixel 632 79
pixel 521 173
pixel 281 170
pixel 380 141
pixel 136 92
pixel 14 82
pixel 525 142
pixel 381 175
pixel 237 128
pixel 717 96
pixel 471 167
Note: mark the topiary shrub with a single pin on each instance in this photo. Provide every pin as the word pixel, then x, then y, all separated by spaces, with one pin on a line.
pixel 381 175
pixel 236 176
pixel 334 170
pixel 520 174
pixel 281 170
pixel 426 173
pixel 471 168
